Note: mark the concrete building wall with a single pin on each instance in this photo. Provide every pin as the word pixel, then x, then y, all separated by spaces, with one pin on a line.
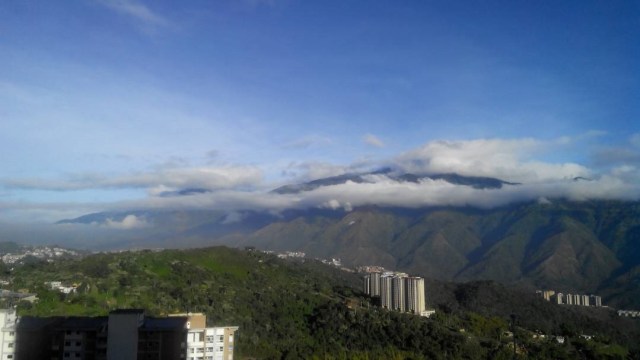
pixel 122 343
pixel 7 333
pixel 415 295
pixel 399 297
pixel 386 292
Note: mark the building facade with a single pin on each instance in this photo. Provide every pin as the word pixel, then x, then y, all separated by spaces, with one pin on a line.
pixel 415 295
pixel 123 335
pixel 208 343
pixel 8 320
pixel 397 291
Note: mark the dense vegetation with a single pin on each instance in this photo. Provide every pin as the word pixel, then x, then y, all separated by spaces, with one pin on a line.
pixel 294 309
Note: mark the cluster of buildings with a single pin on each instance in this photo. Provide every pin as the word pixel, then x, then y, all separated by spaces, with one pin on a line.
pixel 57 285
pixel 291 254
pixel 570 299
pixel 126 334
pixel 370 269
pixel 300 255
pixel 397 291
pixel 629 313
pixel 41 252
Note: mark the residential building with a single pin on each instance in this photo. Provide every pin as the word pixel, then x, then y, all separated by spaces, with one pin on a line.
pixel 415 295
pixel 124 334
pixel 208 343
pixel 372 284
pixel 546 294
pixel 399 297
pixel 386 292
pixel 568 299
pixel 8 320
pixel 559 298
pixel 398 291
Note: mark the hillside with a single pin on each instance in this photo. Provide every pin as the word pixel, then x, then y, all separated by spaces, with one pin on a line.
pixel 590 247
pixel 587 247
pixel 296 309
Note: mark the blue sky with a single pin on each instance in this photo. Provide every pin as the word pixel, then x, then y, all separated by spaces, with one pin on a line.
pixel 106 103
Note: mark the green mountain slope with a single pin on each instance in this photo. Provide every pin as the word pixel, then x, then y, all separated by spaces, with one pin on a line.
pixel 583 247
pixel 298 309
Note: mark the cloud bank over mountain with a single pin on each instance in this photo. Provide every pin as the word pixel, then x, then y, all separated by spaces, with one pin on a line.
pixel 246 187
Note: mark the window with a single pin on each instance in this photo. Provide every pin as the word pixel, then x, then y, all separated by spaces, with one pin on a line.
pixel 10 345
pixel 12 333
pixel 220 337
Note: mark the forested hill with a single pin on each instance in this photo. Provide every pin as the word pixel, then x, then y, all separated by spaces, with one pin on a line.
pixel 294 309
pixel 569 246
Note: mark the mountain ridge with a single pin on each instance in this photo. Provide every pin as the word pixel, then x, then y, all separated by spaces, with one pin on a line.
pixel 586 246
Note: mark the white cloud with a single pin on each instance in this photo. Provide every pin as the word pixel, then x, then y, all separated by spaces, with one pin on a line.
pixel 507 159
pixel 129 222
pixel 373 140
pixel 235 188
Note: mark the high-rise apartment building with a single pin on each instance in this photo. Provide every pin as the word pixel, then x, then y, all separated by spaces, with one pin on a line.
pixel 372 284
pixel 399 296
pixel 559 298
pixel 386 291
pixel 415 295
pixel 398 291
pixel 585 300
pixel 568 299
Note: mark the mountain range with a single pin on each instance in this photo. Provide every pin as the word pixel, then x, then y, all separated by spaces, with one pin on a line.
pixel 569 246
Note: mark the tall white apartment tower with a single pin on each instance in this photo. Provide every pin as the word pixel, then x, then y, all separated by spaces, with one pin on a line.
pixel 386 291
pixel 585 300
pixel 415 295
pixel 398 286
pixel 372 284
